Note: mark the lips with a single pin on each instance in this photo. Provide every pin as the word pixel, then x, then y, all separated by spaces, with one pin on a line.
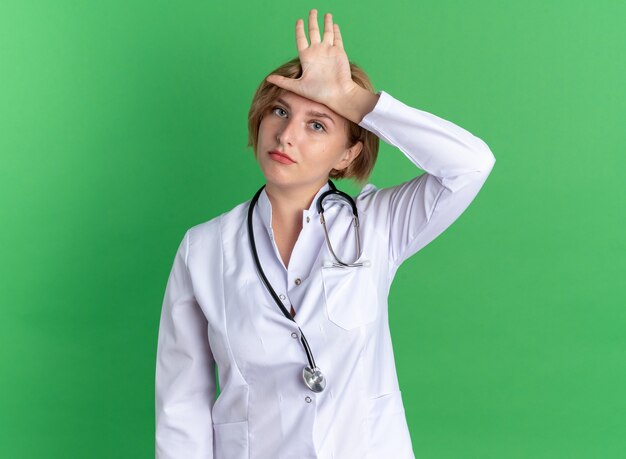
pixel 281 157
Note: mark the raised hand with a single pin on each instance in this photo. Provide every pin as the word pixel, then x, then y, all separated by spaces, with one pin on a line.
pixel 325 66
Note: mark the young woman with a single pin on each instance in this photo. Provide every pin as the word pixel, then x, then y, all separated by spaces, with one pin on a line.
pixel 286 294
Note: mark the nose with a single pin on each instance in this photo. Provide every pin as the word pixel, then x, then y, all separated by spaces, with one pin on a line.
pixel 287 132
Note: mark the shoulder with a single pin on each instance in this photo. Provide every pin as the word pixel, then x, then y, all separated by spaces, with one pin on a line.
pixel 365 199
pixel 211 232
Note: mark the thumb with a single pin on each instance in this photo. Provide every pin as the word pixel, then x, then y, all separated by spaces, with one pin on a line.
pixel 286 83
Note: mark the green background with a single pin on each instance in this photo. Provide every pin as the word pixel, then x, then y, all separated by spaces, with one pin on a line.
pixel 123 123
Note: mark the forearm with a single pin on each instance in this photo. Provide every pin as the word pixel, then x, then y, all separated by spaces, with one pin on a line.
pixel 435 145
pixel 185 386
pixel 456 163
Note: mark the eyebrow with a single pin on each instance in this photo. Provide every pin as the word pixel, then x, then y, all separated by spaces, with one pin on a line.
pixel 310 112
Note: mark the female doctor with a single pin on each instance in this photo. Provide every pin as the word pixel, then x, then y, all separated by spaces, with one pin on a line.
pixel 286 294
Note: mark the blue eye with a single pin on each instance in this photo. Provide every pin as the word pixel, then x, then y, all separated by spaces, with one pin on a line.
pixel 315 123
pixel 279 111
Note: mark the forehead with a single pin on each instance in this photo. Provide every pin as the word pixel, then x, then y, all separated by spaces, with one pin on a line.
pixel 296 101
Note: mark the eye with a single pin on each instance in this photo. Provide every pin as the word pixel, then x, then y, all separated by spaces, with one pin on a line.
pixel 319 127
pixel 279 111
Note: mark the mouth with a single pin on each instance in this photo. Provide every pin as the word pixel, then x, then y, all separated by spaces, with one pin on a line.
pixel 281 157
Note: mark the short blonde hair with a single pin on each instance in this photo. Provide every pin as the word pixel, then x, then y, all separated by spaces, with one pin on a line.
pixel 267 93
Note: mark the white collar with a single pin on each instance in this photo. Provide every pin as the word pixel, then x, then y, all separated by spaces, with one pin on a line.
pixel 265 207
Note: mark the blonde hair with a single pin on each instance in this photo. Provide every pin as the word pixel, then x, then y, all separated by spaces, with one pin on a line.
pixel 267 93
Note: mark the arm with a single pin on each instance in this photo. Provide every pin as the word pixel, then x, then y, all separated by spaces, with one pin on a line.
pixel 185 370
pixel 456 163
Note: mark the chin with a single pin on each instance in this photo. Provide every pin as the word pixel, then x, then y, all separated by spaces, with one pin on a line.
pixel 278 175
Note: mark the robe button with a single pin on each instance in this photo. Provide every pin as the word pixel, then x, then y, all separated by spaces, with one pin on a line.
pixel 294 335
pixel 282 297
pixel 308 219
pixel 307 399
pixel 298 281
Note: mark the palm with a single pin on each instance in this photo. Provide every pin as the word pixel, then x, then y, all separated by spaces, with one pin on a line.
pixel 326 69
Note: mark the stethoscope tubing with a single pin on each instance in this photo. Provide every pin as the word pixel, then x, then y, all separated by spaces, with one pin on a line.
pixel 312 375
pixel 305 344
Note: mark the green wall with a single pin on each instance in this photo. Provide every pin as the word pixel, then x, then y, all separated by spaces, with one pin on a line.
pixel 123 123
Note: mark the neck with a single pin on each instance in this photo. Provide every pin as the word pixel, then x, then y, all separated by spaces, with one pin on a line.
pixel 288 204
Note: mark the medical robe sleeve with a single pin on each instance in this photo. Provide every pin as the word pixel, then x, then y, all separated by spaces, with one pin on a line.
pixel 185 370
pixel 456 164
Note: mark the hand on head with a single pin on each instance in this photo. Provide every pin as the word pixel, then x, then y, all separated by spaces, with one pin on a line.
pixel 326 74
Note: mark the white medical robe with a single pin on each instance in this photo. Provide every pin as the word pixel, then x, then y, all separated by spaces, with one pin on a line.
pixel 217 313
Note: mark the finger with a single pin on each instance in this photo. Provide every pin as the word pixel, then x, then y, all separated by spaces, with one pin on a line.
pixel 301 42
pixel 282 82
pixel 328 29
pixel 338 41
pixel 314 31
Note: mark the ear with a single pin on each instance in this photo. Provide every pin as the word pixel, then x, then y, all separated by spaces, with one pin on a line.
pixel 349 155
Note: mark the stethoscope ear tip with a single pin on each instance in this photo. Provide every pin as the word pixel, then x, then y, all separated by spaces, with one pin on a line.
pixel 332 264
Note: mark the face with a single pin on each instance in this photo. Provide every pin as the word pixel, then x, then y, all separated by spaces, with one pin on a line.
pixel 300 141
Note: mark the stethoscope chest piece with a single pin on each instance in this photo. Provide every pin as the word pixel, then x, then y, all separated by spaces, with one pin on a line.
pixel 314 378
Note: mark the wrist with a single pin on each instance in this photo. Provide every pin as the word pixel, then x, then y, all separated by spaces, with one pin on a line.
pixel 356 103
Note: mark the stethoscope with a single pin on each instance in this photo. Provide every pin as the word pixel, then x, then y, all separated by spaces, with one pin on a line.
pixel 312 375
